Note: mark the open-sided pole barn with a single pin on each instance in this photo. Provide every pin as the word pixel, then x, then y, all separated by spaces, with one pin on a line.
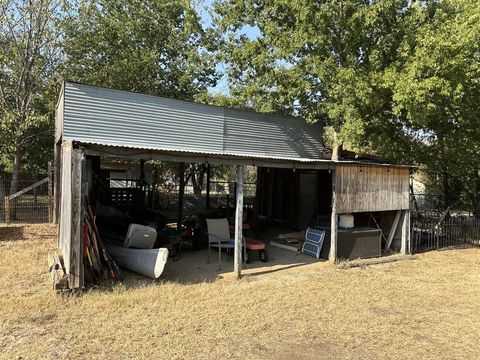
pixel 93 122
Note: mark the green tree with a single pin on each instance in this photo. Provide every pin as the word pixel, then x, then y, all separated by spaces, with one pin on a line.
pixel 30 40
pixel 437 92
pixel 154 47
pixel 323 60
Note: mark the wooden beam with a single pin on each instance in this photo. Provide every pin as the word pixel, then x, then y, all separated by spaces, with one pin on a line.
pixel 393 230
pixel 333 224
pixel 76 248
pixel 57 182
pixel 142 173
pixel 50 192
pixel 181 194
pixel 65 209
pixel 237 264
pixel 220 159
pixel 209 174
pixel 27 189
pixel 406 243
pixel 71 214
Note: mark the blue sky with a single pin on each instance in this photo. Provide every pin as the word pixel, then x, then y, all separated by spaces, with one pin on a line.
pixel 203 7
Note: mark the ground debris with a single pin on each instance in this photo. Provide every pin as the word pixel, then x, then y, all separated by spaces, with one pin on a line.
pixel 348 264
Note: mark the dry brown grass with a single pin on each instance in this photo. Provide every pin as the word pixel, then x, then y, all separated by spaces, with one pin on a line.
pixel 426 308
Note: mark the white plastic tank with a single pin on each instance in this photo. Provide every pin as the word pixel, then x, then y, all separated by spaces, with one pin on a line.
pixel 346 221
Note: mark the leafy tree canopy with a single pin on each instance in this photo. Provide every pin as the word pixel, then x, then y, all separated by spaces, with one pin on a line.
pixel 154 47
pixel 30 39
pixel 325 61
pixel 437 92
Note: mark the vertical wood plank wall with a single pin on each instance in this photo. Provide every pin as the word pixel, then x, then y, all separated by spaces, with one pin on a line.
pixel 71 210
pixel 76 251
pixel 65 214
pixel 361 188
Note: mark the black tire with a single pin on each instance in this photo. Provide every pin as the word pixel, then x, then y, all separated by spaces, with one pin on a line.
pixel 263 255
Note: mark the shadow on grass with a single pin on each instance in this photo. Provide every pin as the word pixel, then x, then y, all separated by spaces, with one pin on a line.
pixel 12 233
pixel 287 267
pixel 26 232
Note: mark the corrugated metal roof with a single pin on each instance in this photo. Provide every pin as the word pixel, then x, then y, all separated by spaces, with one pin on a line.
pixel 282 136
pixel 118 118
pixel 152 153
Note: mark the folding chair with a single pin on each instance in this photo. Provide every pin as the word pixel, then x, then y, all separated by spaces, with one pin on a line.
pixel 313 242
pixel 219 237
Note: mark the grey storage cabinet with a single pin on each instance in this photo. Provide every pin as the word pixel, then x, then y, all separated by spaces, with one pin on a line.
pixel 356 243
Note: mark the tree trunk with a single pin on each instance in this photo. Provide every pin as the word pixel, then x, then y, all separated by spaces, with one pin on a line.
pixel 197 175
pixel 14 183
pixel 446 190
pixel 16 170
pixel 337 146
pixel 197 183
pixel 476 209
pixel 476 200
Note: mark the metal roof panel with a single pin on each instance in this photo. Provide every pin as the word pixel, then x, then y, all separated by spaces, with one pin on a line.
pixel 119 118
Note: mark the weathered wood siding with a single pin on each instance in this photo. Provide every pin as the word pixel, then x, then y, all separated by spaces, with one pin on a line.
pixel 361 188
pixel 69 240
pixel 64 237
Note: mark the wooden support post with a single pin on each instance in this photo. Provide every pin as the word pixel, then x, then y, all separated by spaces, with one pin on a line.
pixel 65 208
pixel 393 229
pixel 181 193
pixel 235 194
pixel 237 265
pixel 406 244
pixel 50 192
pixel 71 215
pixel 333 225
pixel 76 255
pixel 8 215
pixel 208 185
pixel 142 173
pixel 57 182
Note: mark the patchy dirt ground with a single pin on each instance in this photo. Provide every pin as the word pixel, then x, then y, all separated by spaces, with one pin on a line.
pixel 427 308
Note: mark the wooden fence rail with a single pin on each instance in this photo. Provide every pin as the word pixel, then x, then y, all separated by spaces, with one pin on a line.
pixel 32 204
pixel 27 189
